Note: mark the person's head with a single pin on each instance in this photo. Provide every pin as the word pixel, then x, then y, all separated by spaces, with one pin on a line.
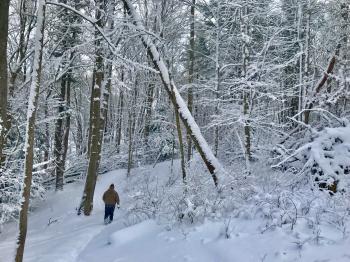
pixel 111 186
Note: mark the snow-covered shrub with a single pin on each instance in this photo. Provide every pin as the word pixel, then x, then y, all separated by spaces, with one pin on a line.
pixel 147 195
pixel 168 199
pixel 10 186
pixel 325 159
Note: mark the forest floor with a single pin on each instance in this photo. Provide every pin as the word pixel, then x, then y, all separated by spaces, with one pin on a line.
pixel 57 234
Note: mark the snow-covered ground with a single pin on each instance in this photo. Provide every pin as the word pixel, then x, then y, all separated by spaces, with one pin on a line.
pixel 57 234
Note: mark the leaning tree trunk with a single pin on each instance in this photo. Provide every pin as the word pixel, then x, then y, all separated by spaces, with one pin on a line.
pixel 30 130
pixel 320 84
pixel 191 126
pixel 331 64
pixel 4 15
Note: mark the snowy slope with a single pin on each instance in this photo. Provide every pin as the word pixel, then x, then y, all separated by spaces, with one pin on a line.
pixel 57 234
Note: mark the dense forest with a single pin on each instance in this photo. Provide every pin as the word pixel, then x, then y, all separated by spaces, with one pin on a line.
pixel 232 91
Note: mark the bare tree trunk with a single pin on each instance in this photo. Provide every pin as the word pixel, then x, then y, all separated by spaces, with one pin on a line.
pixel 67 121
pixel 59 169
pixel 4 15
pixel 148 109
pixel 96 122
pixel 107 90
pixel 320 84
pixel 90 183
pixel 106 96
pixel 181 145
pixel 27 24
pixel 331 64
pixel 131 131
pixel 247 137
pixel 30 131
pixel 120 117
pixel 63 122
pixel 301 50
pixel 47 132
pixel 78 118
pixel 151 85
pixel 130 149
pixel 91 112
pixel 245 58
pixel 217 80
pixel 191 76
pixel 176 99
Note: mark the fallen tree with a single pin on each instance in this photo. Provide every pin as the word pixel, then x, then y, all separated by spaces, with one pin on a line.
pixel 191 126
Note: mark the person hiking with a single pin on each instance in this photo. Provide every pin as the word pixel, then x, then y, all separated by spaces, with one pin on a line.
pixel 111 198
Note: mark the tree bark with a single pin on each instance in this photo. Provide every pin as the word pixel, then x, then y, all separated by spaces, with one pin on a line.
pixel 67 118
pixel 320 84
pixel 191 75
pixel 181 146
pixel 120 117
pixel 217 78
pixel 245 58
pixel 148 113
pixel 4 16
pixel 59 166
pixel 30 131
pixel 96 122
pixel 47 132
pixel 131 131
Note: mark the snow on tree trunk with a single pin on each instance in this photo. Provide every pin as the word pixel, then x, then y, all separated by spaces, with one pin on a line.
pixel 94 156
pixel 59 170
pixel 191 126
pixel 29 140
pixel 96 122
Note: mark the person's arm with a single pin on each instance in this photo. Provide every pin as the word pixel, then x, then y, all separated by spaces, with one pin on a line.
pixel 104 197
pixel 117 199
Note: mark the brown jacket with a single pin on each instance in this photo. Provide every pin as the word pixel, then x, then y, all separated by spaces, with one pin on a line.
pixel 110 197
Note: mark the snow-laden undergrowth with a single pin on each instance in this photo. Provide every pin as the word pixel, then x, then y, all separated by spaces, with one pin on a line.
pixel 324 159
pixel 250 218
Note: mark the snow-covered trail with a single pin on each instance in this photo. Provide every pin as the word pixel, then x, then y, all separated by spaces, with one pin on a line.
pixel 57 234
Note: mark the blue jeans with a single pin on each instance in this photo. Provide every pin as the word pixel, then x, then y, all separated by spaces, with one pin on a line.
pixel 109 211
